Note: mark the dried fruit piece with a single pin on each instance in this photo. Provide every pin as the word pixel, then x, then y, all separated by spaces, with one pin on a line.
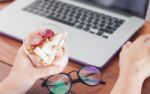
pixel 36 40
pixel 47 33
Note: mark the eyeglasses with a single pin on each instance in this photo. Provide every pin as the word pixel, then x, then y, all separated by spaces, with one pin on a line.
pixel 61 83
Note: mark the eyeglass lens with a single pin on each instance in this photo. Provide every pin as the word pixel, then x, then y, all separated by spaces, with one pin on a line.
pixel 59 84
pixel 90 75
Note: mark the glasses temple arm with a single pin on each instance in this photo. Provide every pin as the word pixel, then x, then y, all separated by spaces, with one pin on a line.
pixel 75 81
pixel 72 92
pixel 102 82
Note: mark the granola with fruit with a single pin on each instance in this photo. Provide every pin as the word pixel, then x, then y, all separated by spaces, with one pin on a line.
pixel 44 45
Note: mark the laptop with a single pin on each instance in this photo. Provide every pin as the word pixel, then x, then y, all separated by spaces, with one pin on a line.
pixel 97 28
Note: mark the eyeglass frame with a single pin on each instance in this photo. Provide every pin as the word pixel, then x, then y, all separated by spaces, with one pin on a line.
pixel 44 84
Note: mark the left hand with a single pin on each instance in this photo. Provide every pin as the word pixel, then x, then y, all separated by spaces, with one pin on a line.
pixel 24 74
pixel 24 66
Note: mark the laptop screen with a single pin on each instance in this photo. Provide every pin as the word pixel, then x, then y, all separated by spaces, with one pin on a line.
pixel 134 7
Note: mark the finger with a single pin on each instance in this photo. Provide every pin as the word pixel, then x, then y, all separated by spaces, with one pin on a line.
pixel 142 39
pixel 147 41
pixel 61 52
pixel 146 38
pixel 21 51
pixel 55 68
pixel 47 71
pixel 21 55
pixel 63 60
pixel 126 45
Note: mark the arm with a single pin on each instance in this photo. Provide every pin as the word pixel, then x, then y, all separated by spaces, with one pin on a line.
pixel 15 85
pixel 23 74
pixel 128 83
pixel 134 66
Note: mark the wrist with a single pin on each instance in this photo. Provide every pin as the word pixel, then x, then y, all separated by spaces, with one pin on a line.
pixel 128 84
pixel 16 85
pixel 133 71
pixel 131 75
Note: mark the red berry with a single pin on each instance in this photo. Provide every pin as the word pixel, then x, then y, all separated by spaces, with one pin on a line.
pixel 47 33
pixel 36 40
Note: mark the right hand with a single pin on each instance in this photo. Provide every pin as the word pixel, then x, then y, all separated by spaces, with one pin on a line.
pixel 135 57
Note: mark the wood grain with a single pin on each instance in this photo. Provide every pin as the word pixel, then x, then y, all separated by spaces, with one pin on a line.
pixel 110 73
pixel 5 3
pixel 9 47
pixel 4 71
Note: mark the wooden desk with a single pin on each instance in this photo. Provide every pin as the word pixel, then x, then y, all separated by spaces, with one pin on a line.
pixel 9 47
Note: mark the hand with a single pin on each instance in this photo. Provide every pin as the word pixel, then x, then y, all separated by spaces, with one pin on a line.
pixel 134 66
pixel 135 57
pixel 24 74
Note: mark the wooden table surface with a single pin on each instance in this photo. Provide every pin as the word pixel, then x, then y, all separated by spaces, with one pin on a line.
pixel 9 47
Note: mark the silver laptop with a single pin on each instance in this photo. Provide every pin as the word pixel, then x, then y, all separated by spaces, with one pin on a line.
pixel 97 28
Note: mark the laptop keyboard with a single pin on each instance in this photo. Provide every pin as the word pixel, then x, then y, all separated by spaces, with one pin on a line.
pixel 80 18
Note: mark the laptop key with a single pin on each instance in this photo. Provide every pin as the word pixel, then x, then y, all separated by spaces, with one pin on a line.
pixel 76 17
pixel 62 21
pixel 86 29
pixel 106 30
pixel 105 36
pixel 91 32
pixel 94 30
pixel 99 33
pixel 79 26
